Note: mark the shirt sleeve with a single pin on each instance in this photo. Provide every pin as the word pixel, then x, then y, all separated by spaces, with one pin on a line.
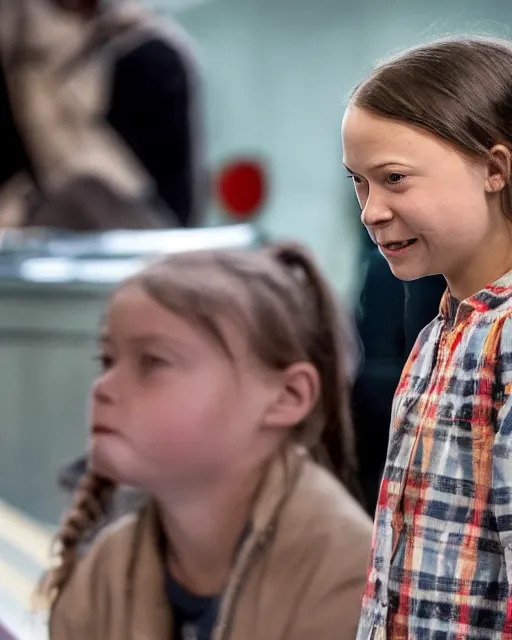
pixel 502 450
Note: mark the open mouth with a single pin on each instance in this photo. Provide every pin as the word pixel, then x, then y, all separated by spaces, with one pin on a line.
pixel 396 246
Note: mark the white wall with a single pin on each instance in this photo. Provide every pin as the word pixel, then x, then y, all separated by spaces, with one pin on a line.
pixel 278 72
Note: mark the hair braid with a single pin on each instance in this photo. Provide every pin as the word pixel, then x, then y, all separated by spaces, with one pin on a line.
pixel 89 506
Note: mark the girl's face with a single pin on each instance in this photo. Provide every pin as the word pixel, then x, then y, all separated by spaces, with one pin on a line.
pixel 428 208
pixel 170 409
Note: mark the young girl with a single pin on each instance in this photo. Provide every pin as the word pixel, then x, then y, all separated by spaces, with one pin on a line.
pixel 220 371
pixel 428 143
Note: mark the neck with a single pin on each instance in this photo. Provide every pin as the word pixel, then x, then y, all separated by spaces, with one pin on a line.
pixel 204 531
pixel 492 262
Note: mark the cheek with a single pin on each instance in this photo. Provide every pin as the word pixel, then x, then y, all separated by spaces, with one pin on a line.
pixel 183 426
pixel 464 217
pixel 464 195
pixel 185 418
pixel 438 210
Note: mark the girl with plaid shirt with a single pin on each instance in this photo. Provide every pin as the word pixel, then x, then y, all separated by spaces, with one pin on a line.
pixel 427 141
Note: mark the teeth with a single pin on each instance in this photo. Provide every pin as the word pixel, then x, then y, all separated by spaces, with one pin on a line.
pixel 398 245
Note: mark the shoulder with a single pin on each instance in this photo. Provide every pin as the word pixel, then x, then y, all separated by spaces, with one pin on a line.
pixel 325 494
pixel 429 333
pixel 506 331
pixel 323 545
pixel 94 576
pixel 153 75
pixel 148 55
pixel 504 355
pixel 323 520
pixel 116 537
pixel 111 549
pixel 155 52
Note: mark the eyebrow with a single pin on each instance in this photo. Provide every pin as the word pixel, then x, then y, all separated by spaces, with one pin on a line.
pixel 178 347
pixel 380 165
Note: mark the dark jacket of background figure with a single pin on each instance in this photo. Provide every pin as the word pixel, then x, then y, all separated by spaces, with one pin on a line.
pixel 391 314
pixel 154 107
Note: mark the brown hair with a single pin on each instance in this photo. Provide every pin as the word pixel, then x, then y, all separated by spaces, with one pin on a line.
pixel 459 89
pixel 280 300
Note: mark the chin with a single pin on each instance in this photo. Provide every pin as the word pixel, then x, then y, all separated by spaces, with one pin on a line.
pixel 408 273
pixel 112 467
pixel 103 468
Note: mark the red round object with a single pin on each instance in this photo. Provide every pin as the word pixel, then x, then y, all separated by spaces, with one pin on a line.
pixel 242 188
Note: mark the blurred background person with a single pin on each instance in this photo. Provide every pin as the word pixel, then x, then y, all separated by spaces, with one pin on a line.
pixel 96 92
pixel 214 416
pixel 100 119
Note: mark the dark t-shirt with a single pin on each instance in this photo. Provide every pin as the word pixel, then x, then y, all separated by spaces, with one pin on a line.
pixel 194 616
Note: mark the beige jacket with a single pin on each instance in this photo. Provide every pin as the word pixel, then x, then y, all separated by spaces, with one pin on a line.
pixel 299 575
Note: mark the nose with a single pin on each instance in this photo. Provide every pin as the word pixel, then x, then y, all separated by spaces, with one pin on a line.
pixel 103 389
pixel 376 211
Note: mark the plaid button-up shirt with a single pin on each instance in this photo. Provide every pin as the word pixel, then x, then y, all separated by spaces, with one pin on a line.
pixel 442 553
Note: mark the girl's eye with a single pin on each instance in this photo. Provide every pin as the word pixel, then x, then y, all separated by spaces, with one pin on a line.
pixel 149 362
pixel 395 178
pixel 355 179
pixel 106 361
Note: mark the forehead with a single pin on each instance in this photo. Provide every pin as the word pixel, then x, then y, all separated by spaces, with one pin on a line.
pixel 133 312
pixel 370 140
pixel 132 309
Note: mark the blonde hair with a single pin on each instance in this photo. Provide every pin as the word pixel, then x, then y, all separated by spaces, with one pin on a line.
pixel 285 308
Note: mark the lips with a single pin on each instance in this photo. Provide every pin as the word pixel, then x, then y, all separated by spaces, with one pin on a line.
pixel 397 245
pixel 99 429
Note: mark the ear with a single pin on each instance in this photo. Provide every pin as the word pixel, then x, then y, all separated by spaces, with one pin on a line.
pixel 499 168
pixel 297 396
